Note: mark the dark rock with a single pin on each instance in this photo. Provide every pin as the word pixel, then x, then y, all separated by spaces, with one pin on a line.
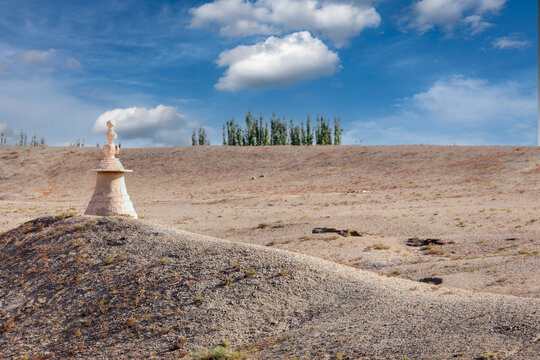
pixel 416 242
pixel 432 280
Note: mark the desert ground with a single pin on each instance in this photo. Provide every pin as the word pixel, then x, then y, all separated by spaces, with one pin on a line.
pixel 449 222
pixel 483 203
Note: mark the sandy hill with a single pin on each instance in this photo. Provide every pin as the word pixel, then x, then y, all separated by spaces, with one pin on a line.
pixel 103 288
pixel 481 202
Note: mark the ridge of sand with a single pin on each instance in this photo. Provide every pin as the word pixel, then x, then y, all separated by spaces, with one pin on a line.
pixel 104 288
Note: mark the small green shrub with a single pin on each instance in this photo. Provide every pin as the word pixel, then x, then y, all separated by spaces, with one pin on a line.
pixel 109 259
pixel 218 353
pixel 64 215
pixel 227 282
pixel 283 273
pixel 251 272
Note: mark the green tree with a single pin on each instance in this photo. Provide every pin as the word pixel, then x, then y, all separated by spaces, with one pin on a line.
pixel 194 138
pixel 203 139
pixel 266 136
pixel 323 132
pixel 309 132
pixel 224 139
pixel 337 131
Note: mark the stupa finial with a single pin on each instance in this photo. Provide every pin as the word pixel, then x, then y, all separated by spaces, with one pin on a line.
pixel 110 149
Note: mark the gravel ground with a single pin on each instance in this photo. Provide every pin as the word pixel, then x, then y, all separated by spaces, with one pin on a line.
pixel 114 288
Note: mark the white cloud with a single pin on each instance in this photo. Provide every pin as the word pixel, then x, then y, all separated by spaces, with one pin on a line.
pixel 457 110
pixel 509 42
pixel 35 57
pixel 462 99
pixel 71 64
pixel 451 14
pixel 22 63
pixel 338 20
pixel 276 62
pixel 162 125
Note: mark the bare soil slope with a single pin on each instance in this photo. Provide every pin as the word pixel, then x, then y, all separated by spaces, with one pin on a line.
pixel 481 204
pixel 104 288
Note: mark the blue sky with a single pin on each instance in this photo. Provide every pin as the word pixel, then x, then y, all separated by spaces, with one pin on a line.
pixel 397 72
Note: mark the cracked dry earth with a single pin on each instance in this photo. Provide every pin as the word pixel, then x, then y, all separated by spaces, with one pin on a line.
pixel 116 288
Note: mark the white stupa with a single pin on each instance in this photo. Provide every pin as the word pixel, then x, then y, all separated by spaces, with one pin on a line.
pixel 110 194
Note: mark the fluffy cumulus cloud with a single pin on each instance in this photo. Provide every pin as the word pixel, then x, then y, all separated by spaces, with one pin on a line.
pixel 276 62
pixel 162 125
pixel 451 14
pixel 510 42
pixel 457 110
pixel 335 19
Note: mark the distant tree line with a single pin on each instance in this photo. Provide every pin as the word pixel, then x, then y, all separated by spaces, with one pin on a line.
pixel 23 139
pixel 199 137
pixel 257 132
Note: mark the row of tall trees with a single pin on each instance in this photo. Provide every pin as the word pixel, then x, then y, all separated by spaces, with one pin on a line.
pixel 199 137
pixel 258 133
pixel 23 139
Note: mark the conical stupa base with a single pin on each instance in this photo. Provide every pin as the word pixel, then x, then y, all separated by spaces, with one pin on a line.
pixel 110 196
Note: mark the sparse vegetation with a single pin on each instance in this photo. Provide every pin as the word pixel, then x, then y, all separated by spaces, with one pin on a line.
pixel 109 259
pixel 218 353
pixel 64 215
pixel 251 272
pixel 164 261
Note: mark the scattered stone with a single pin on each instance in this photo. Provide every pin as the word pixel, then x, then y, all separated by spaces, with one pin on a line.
pixel 357 192
pixel 432 280
pixel 416 242
pixel 345 232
